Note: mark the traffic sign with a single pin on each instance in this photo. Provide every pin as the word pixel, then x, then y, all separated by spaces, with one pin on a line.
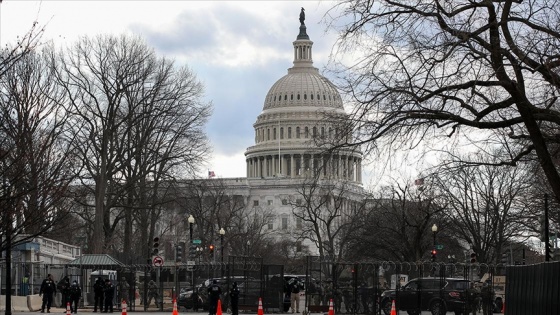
pixel 439 246
pixel 196 241
pixel 190 263
pixel 157 261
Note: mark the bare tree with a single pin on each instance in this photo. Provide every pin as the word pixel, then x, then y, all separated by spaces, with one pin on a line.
pixel 486 205
pixel 397 225
pixel 434 69
pixel 214 205
pixel 36 159
pixel 326 212
pixel 139 121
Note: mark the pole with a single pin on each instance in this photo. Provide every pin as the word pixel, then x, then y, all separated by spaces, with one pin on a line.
pixel 546 236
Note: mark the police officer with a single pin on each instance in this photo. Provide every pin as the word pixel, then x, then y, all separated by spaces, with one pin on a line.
pixel 472 298
pixel 48 288
pixel 75 295
pixel 98 288
pixel 234 299
pixel 487 295
pixel 214 292
pixel 64 288
pixel 109 293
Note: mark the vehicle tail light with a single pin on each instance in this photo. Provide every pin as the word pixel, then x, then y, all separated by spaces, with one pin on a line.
pixel 454 294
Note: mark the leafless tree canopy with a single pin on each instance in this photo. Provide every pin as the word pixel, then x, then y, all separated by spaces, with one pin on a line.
pixel 485 71
pixel 138 120
pixel 485 205
pixel 36 160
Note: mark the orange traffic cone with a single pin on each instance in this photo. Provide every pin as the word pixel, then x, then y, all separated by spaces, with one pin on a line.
pixel 68 308
pixel 331 307
pixel 175 312
pixel 123 307
pixel 393 308
pixel 260 309
pixel 219 308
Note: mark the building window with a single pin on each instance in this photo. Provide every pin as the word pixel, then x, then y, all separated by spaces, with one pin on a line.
pixel 289 132
pixel 305 96
pixel 314 132
pixel 267 134
pixel 270 202
pixel 255 203
pixel 274 133
pixel 298 97
pixel 284 223
pixel 297 132
pixel 285 97
pixel 307 132
pixel 284 202
pixel 281 132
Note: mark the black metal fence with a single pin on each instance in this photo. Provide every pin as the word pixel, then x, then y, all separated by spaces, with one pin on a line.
pixel 355 288
pixel 533 289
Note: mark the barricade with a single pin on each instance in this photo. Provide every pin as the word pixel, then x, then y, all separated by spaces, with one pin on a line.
pixel 34 302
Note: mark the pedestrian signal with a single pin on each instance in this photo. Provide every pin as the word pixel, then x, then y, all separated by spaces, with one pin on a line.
pixel 434 254
pixel 211 248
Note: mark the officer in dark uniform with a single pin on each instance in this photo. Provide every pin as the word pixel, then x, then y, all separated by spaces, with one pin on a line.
pixel 48 288
pixel 109 292
pixel 75 295
pixel 214 292
pixel 234 299
pixel 98 288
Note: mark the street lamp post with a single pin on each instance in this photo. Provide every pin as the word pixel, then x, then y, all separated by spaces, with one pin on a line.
pixel 191 223
pixel 434 232
pixel 222 233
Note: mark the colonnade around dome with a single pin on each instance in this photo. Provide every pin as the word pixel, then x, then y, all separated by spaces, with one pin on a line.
pixel 297 165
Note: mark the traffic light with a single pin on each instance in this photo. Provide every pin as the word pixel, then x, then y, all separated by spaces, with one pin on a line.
pixel 505 258
pixel 434 254
pixel 192 250
pixel 473 258
pixel 155 250
pixel 178 253
pixel 211 248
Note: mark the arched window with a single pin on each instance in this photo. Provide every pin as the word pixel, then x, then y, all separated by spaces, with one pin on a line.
pixel 311 96
pixel 267 134
pixel 274 134
pixel 307 132
pixel 292 97
pixel 314 132
pixel 289 132
pixel 297 132
pixel 281 132
pixel 285 97
pixel 305 96
pixel 298 97
pixel 322 132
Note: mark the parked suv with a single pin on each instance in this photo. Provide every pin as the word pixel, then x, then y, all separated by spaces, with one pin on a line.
pixel 437 295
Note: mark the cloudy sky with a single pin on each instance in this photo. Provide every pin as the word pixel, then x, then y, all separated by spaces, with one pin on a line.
pixel 238 49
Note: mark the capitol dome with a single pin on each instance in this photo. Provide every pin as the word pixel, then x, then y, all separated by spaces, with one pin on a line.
pixel 303 87
pixel 294 118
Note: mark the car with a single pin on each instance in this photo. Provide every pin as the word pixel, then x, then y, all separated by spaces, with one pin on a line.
pixel 437 295
pixel 186 299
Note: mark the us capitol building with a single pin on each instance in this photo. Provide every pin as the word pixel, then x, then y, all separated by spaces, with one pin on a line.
pixel 288 153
